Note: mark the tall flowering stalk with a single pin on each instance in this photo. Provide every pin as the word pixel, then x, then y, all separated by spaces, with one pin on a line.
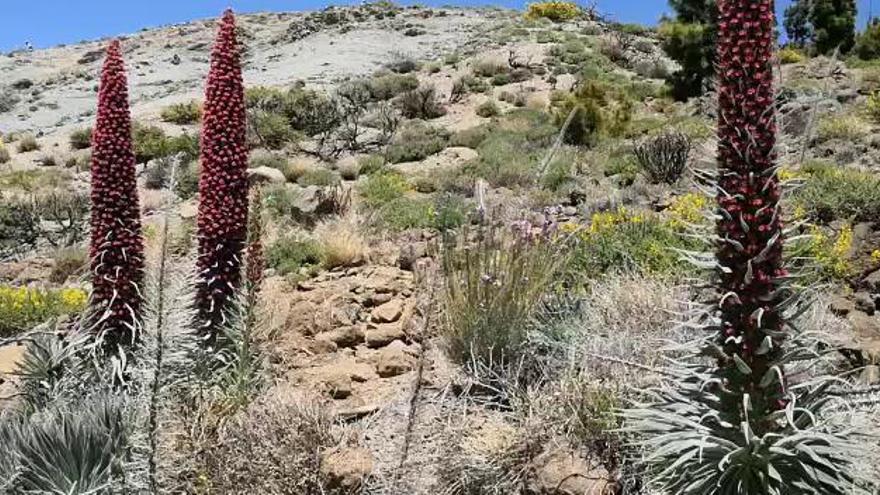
pixel 749 228
pixel 116 250
pixel 223 185
pixel 727 421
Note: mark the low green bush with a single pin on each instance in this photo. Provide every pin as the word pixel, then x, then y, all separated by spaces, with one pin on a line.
pixel 182 113
pixel 830 193
pixel 415 142
pixel 81 139
pixel 318 176
pixel 290 255
pixel 27 143
pixel 382 188
pixel 387 86
pixel 488 109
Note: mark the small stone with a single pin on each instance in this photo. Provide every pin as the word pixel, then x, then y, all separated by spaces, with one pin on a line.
pixel 347 336
pixel 392 362
pixel 864 303
pixel 382 335
pixel 388 312
pixel 346 467
pixel 841 306
pixel 306 286
pixel 873 281
pixel 562 472
pixel 338 385
pixel 379 299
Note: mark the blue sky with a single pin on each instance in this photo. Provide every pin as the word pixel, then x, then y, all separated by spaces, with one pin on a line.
pixel 51 22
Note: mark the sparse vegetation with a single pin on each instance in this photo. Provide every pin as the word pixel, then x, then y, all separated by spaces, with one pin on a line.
pixel 81 139
pixel 182 113
pixel 27 143
pixel 416 141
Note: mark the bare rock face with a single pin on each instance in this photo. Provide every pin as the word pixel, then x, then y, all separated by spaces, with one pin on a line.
pixel 346 467
pixel 562 472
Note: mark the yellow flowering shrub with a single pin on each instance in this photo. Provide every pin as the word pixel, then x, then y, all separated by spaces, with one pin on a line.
pixel 22 308
pixel 687 209
pixel 553 10
pixel 873 106
pixel 622 240
pixel 832 254
pixel 790 55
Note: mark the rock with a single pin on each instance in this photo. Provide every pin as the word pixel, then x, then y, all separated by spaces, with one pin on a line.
pixel 562 472
pixel 348 336
pixel 841 306
pixel 321 346
pixel 266 174
pixel 388 312
pixel 411 253
pixel 189 209
pixel 346 467
pixel 866 330
pixel 393 361
pixel 864 303
pixel 338 385
pixel 382 335
pixel 378 299
pixel 872 281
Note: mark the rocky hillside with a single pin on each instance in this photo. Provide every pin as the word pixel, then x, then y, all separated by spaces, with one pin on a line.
pixel 473 225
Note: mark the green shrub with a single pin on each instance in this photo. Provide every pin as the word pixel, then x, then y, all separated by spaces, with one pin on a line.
pixel 4 154
pixel 415 142
pixel 182 113
pixel 488 109
pixel 382 188
pixel 34 180
pixel 272 160
pixel 492 291
pixel 830 193
pixel 489 68
pixel 187 183
pixel 691 44
pixel 599 110
pixel 470 138
pixel 620 241
pixel 150 143
pixel 269 130
pixel 406 213
pixel 27 143
pixel 451 211
pixel 501 79
pixel 847 127
pixel 465 85
pixel 402 64
pixel 387 86
pixel 791 55
pixel 319 176
pixel 289 255
pixel 19 226
pixel 558 173
pixel 868 42
pixel 68 263
pixel 81 139
pixel 555 10
pixel 371 164
pixel 22 308
pixel 511 149
pixel 421 103
pixel 282 202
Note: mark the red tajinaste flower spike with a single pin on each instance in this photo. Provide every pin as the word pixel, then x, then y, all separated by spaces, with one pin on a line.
pixel 116 250
pixel 223 184
pixel 750 229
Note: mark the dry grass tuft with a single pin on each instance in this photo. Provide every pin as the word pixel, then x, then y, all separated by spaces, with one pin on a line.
pixel 341 242
pixel 274 446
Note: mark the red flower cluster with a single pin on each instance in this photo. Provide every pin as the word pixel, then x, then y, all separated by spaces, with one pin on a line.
pixel 116 251
pixel 223 184
pixel 750 229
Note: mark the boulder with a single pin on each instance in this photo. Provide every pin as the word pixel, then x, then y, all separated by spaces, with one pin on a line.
pixel 388 312
pixel 382 335
pixel 266 174
pixel 347 336
pixel 393 361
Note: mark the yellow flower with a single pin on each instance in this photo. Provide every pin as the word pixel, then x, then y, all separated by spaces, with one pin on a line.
pixel 875 256
pixel 688 209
